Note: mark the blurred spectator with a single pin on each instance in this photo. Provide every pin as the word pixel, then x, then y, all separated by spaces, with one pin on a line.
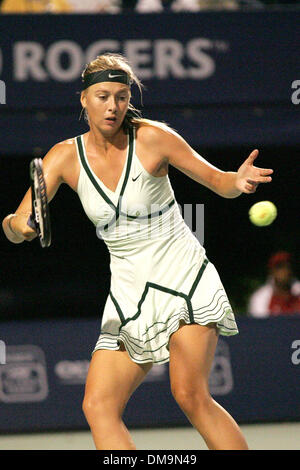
pixel 280 2
pixel 140 6
pixel 61 6
pixel 149 6
pixel 35 6
pixel 96 6
pixel 217 5
pixel 156 6
pixel 281 293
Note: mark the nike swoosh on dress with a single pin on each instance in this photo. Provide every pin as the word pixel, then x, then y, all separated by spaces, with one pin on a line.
pixel 134 179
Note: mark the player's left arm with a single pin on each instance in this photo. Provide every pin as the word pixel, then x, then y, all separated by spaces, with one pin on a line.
pixel 228 184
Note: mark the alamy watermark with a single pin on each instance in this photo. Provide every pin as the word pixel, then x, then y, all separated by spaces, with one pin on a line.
pixel 139 222
pixel 296 354
pixel 2 352
pixel 295 97
pixel 2 92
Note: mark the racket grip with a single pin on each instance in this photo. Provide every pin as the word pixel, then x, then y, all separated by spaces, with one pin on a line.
pixel 31 222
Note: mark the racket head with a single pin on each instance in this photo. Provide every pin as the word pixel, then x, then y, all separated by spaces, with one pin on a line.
pixel 40 208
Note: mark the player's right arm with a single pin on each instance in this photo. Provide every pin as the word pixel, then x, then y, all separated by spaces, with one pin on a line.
pixel 15 225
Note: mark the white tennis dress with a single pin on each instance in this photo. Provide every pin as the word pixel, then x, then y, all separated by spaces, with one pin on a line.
pixel 159 271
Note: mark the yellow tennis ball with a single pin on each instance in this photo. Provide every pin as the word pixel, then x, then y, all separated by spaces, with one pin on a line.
pixel 263 213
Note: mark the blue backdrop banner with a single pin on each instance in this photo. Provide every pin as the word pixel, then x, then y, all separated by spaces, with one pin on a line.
pixel 43 367
pixel 191 59
pixel 219 78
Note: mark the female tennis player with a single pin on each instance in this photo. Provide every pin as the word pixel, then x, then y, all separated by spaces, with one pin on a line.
pixel 166 299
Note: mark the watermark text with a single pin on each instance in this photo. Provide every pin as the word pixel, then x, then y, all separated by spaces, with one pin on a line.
pixel 2 92
pixel 296 354
pixel 295 97
pixel 141 222
pixel 2 352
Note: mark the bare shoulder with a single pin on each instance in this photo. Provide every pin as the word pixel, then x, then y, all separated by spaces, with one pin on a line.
pixel 62 150
pixel 162 141
pixel 62 162
pixel 158 141
pixel 154 132
pixel 151 146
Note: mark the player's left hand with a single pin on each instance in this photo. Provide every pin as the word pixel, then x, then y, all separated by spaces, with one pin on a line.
pixel 250 176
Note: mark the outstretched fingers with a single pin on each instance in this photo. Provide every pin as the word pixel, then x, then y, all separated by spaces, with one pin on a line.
pixel 259 179
pixel 253 155
pixel 264 174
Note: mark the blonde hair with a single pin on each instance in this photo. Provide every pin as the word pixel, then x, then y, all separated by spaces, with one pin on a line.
pixel 115 61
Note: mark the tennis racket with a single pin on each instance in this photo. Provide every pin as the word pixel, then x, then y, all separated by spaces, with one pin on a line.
pixel 39 220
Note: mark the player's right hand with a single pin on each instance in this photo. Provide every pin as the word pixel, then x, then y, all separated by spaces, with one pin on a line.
pixel 20 227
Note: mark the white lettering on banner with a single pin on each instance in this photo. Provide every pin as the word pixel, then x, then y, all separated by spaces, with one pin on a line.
pixel 206 65
pixel 28 56
pixel 99 47
pixel 161 58
pixel 53 60
pixel 135 51
pixel 72 372
pixel 168 56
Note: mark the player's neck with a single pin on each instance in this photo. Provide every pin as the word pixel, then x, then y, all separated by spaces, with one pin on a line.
pixel 105 143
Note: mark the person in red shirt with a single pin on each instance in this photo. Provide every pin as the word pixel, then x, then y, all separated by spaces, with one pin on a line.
pixel 281 293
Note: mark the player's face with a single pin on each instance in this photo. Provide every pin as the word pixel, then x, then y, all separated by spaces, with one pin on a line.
pixel 106 104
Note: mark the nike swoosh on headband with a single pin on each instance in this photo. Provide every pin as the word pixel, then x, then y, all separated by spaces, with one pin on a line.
pixel 106 76
pixel 114 76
